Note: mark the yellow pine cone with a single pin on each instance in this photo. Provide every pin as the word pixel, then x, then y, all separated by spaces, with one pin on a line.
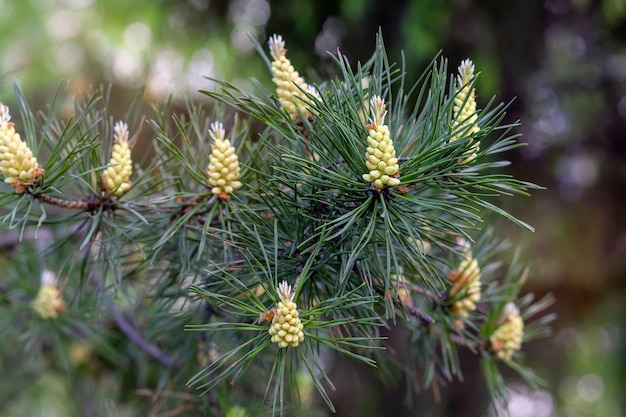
pixel 48 302
pixel 465 291
pixel 507 338
pixel 17 163
pixel 286 328
pixel 464 116
pixel 223 171
pixel 380 157
pixel 116 177
pixel 290 86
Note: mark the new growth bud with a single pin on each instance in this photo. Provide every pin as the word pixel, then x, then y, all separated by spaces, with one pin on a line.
pixel 464 116
pixel 290 86
pixel 223 171
pixel 465 291
pixel 286 328
pixel 48 302
pixel 507 338
pixel 116 177
pixel 17 163
pixel 380 157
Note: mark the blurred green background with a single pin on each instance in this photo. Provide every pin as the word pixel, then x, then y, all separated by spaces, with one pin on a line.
pixel 564 63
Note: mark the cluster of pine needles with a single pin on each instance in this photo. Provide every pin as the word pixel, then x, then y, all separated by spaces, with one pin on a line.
pixel 240 251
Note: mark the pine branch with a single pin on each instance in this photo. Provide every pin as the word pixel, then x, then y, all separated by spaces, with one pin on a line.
pixel 428 322
pixel 131 332
pixel 460 341
pixel 420 315
pixel 90 204
pixel 424 291
pixel 138 340
pixel 190 203
pixel 337 204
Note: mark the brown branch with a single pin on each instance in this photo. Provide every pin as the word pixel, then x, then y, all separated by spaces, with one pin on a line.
pixel 428 322
pixel 423 291
pixel 138 340
pixel 461 341
pixel 188 204
pixel 59 202
pixel 420 315
pixel 193 200
pixel 90 203
pixel 131 332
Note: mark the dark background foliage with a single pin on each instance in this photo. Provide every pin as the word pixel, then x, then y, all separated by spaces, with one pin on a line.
pixel 563 63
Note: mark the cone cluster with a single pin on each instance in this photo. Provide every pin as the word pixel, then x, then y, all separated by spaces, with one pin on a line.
pixel 464 116
pixel 48 302
pixel 380 157
pixel 17 163
pixel 290 86
pixel 223 171
pixel 465 291
pixel 507 338
pixel 116 177
pixel 286 328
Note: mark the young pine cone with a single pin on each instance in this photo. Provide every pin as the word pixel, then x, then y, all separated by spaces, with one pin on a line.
pixel 48 302
pixel 223 171
pixel 290 86
pixel 17 163
pixel 116 177
pixel 465 291
pixel 507 338
pixel 286 328
pixel 380 158
pixel 464 116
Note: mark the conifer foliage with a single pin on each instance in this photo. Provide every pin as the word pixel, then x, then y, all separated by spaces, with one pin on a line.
pixel 356 209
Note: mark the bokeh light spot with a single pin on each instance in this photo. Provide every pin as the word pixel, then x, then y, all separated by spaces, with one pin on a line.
pixel 590 387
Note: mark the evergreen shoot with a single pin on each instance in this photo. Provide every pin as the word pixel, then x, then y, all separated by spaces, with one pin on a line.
pixel 224 263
